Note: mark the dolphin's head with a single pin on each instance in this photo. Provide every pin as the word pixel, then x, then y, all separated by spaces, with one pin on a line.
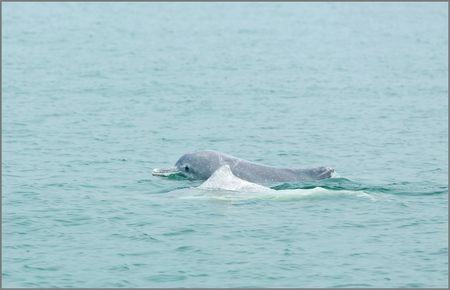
pixel 196 165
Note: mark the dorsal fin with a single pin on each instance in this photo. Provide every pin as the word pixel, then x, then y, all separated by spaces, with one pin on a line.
pixel 223 178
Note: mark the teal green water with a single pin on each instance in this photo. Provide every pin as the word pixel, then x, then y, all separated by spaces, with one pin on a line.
pixel 97 95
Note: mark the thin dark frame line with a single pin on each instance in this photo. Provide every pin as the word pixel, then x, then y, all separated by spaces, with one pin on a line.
pixel 197 1
pixel 134 1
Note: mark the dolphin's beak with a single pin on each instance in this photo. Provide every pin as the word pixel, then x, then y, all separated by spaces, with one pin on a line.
pixel 165 171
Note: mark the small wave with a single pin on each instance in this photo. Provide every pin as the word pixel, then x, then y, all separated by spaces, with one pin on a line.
pixel 177 176
pixel 282 195
pixel 399 188
pixel 166 278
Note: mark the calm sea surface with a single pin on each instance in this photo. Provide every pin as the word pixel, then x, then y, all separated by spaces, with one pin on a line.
pixel 96 95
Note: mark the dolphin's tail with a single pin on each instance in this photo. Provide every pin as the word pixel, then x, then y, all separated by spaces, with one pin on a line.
pixel 324 172
pixel 315 173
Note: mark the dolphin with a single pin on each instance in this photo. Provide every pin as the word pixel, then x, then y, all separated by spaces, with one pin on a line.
pixel 202 164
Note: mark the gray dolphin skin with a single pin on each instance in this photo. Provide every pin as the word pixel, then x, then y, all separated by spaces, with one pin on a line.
pixel 202 164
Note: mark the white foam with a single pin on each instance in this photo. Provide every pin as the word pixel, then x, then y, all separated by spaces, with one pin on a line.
pixel 276 195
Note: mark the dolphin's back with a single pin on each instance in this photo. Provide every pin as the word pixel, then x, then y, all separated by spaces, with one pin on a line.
pixel 260 173
pixel 264 174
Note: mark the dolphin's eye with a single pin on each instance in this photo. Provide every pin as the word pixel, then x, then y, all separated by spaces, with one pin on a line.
pixel 186 168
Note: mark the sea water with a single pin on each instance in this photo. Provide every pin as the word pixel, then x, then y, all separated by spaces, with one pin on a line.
pixel 96 95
